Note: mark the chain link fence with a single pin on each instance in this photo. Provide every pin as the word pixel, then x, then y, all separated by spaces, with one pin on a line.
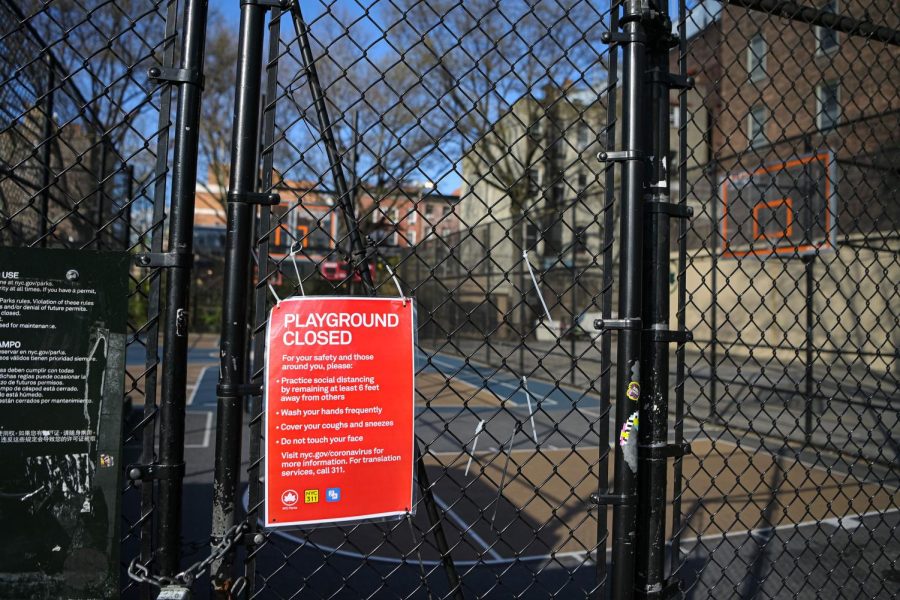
pixel 654 252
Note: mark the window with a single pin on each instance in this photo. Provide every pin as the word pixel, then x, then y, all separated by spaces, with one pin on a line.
pixel 674 117
pixel 583 135
pixel 412 216
pixel 756 126
pixel 827 39
pixel 411 237
pixel 828 107
pixel 756 58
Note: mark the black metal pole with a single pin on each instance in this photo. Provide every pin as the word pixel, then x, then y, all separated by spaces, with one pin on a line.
pixel 628 353
pixel 358 248
pixel 181 227
pixel 714 302
pixel 357 245
pixel 653 393
pixel 573 362
pixel 47 136
pixel 129 205
pixel 808 265
pixel 243 179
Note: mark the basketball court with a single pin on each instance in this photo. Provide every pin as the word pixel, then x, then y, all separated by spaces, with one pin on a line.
pixel 496 516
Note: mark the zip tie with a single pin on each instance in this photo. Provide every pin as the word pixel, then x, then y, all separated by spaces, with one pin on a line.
pixel 274 293
pixel 478 429
pixel 505 470
pixel 396 282
pixel 293 255
pixel 538 290
pixel 530 411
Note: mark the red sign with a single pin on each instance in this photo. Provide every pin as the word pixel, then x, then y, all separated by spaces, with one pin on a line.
pixel 339 410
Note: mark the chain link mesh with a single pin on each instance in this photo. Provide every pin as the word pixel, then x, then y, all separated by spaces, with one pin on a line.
pixel 470 133
pixel 84 149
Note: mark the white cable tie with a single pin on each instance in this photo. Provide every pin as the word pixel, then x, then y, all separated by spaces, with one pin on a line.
pixel 538 290
pixel 530 411
pixel 396 282
pixel 293 255
pixel 274 293
pixel 478 429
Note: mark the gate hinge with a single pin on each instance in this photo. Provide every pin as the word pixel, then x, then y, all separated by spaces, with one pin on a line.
pixel 672 80
pixel 664 451
pixel 617 324
pixel 670 589
pixel 175 75
pixel 681 211
pixel 239 389
pixel 613 499
pixel 182 260
pixel 263 198
pixel 668 335
pixel 154 471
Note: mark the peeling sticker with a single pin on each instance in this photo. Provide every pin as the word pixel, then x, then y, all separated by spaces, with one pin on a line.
pixel 106 460
pixel 628 440
pixel 630 425
pixel 634 391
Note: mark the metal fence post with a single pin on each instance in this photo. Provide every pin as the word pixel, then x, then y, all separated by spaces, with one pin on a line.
pixel 628 354
pixel 181 227
pixel 242 195
pixel 652 395
pixel 361 262
pixel 46 157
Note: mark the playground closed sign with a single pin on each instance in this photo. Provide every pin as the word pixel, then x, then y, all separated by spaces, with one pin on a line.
pixel 339 410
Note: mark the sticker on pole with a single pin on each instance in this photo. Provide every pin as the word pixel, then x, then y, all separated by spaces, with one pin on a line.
pixel 339 410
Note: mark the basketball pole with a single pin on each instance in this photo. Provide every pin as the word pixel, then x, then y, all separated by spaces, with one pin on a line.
pixel 808 265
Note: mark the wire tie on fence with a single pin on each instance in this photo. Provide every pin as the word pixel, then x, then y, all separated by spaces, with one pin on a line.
pixel 293 255
pixel 274 293
pixel 505 470
pixel 396 282
pixel 530 411
pixel 538 290
pixel 478 429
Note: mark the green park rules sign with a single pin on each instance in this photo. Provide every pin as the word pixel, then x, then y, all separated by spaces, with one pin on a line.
pixel 62 364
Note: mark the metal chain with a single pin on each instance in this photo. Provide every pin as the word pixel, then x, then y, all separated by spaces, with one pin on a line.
pixel 141 573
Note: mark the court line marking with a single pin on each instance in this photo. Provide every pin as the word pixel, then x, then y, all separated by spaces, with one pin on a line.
pixel 196 385
pixel 467 529
pixel 799 459
pixel 836 522
pixel 460 370
pixel 580 393
pixel 207 431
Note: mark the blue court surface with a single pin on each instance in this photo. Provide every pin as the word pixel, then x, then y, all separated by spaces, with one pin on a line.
pixel 502 387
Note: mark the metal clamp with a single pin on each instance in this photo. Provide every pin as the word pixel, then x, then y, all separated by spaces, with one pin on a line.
pixel 154 471
pixel 183 260
pixel 620 37
pixel 620 156
pixel 613 499
pixel 681 211
pixel 617 324
pixel 282 4
pixel 668 335
pixel 664 451
pixel 239 389
pixel 262 198
pixel 175 75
